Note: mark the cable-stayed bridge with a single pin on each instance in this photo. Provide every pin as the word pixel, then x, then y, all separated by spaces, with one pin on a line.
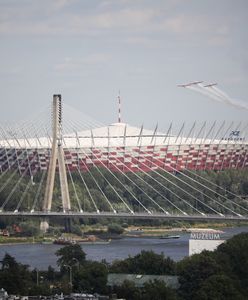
pixel 76 167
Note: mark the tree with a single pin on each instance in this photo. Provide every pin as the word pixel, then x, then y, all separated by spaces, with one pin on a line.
pixel 233 257
pixel 128 291
pixel 194 270
pixel 157 290
pixel 146 262
pixel 92 277
pixel 9 262
pixel 50 274
pixel 70 255
pixel 218 287
pixel 76 229
pixel 29 229
pixel 115 228
pixel 14 277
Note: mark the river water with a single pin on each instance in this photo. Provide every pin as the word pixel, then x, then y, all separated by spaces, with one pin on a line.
pixel 41 256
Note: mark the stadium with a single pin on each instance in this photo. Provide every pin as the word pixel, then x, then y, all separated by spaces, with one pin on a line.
pixel 118 168
pixel 121 147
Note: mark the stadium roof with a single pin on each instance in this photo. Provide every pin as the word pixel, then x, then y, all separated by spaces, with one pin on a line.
pixel 113 135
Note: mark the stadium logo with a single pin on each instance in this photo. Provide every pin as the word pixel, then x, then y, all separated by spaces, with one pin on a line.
pixel 235 133
pixel 234 136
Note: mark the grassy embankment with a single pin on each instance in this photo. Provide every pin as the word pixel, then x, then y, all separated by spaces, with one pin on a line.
pixel 102 229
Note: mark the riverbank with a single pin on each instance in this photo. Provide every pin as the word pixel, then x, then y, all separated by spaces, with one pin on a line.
pixel 42 255
pixel 8 240
pixel 101 232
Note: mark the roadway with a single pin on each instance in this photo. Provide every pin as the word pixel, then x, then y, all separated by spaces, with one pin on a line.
pixel 99 215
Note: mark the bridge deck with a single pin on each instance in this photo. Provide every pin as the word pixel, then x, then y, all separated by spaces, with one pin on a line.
pixel 96 215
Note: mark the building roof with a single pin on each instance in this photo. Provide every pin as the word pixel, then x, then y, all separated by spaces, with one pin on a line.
pixel 115 279
pixel 113 135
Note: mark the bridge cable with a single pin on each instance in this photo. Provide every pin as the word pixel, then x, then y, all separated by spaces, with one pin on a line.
pixel 140 190
pixel 179 179
pixel 13 174
pixel 74 188
pixel 98 186
pixel 154 179
pixel 118 195
pixel 177 186
pixel 38 191
pixel 14 189
pixel 100 189
pixel 23 195
pixel 208 188
pixel 73 185
pixel 88 190
pixel 119 181
pixel 123 185
pixel 212 183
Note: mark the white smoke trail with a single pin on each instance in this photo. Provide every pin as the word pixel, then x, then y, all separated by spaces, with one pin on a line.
pixel 235 102
pixel 224 98
pixel 219 91
pixel 218 95
pixel 205 93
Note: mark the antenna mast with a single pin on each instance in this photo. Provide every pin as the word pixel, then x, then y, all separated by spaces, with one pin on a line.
pixel 119 107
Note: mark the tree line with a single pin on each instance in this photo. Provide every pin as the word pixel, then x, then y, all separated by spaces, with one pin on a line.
pixel 221 274
pixel 166 188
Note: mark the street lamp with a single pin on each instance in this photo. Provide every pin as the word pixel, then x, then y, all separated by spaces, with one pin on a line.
pixel 37 277
pixel 70 268
pixel 75 259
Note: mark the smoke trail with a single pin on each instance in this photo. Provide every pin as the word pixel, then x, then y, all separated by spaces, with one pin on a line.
pixel 218 95
pixel 213 92
pixel 229 100
pixel 220 92
pixel 205 93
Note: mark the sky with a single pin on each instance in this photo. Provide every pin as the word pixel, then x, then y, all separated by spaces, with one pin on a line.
pixel 88 50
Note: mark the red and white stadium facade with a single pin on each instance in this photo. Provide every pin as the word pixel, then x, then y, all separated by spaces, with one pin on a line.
pixel 121 147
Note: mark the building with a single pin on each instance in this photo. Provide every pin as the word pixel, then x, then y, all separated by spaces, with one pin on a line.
pixel 139 280
pixel 204 240
pixel 122 148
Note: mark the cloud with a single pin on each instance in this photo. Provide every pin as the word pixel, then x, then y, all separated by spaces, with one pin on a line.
pixel 13 22
pixel 125 18
pixel 137 23
pixel 147 42
pixel 60 4
pixel 76 17
pixel 218 40
pixel 191 24
pixel 11 71
pixel 77 64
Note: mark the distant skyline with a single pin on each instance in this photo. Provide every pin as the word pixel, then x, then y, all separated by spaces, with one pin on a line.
pixel 89 50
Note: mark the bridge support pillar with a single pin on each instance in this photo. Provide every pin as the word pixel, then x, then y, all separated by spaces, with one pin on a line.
pixel 44 226
pixel 57 155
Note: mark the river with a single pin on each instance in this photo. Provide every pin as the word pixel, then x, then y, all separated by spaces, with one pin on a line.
pixel 41 256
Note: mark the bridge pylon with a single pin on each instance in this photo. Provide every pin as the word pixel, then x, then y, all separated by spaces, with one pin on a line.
pixel 56 159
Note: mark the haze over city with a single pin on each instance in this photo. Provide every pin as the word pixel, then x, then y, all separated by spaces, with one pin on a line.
pixel 89 50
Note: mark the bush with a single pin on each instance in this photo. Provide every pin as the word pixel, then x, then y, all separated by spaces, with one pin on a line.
pixel 76 229
pixel 29 229
pixel 124 225
pixel 115 228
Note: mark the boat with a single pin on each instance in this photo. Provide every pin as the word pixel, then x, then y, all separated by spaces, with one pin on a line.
pixel 64 241
pixel 168 236
pixel 137 231
pixel 93 240
pixel 47 242
pixel 98 242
